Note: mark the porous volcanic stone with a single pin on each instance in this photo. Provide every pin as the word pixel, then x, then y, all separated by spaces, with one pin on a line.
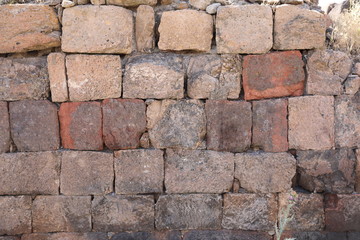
pixel 131 3
pixel 4 128
pixel 225 235
pixel 65 236
pixel 145 22
pixel 163 235
pixel 57 76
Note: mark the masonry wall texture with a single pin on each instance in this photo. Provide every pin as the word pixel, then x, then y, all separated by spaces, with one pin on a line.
pixel 175 120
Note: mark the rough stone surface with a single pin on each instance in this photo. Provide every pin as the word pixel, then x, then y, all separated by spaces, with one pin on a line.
pixel 253 31
pixel 191 211
pixel 327 171
pixel 249 211
pixel 124 121
pixel 212 8
pixel 298 28
pixel 200 4
pixel 92 77
pixel 276 74
pixel 225 235
pixel 352 85
pixel 80 125
pixel 311 122
pixel 176 124
pixel 356 69
pixel 23 78
pixel 327 69
pixel 84 29
pixel 65 236
pixel 131 3
pixel 270 125
pixel 316 235
pixel 9 238
pixel 164 235
pixel 228 125
pixel 198 171
pixel 145 22
pixel 189 36
pixel 154 76
pixel 57 77
pixel 4 128
pixel 34 125
pixel 123 213
pixel 357 171
pixel 262 172
pixel 61 214
pixel 28 27
pixel 139 171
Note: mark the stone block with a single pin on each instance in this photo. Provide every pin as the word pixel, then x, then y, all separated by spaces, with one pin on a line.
pixel 57 77
pixel 65 236
pixel 145 22
pixel 4 128
pixel 356 69
pixel 352 85
pixel 164 235
pixel 357 171
pixel 131 3
pixel 9 238
pixel 225 235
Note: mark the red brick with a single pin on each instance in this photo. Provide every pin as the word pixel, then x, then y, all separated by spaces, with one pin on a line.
pixel 4 128
pixel 276 74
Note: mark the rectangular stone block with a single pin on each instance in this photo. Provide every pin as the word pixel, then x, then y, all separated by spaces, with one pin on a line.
pixel 29 173
pixel 145 23
pixel 225 235
pixel 9 238
pixel 65 236
pixel 131 3
pixel 163 235
pixel 4 128
pixel 57 77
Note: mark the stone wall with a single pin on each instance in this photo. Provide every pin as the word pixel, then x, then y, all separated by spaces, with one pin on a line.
pixel 146 120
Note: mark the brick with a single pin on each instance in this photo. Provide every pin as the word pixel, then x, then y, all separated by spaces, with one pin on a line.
pixel 145 23
pixel 270 125
pixel 189 36
pixel 28 27
pixel 4 128
pixel 262 172
pixel 230 133
pixel 34 125
pixel 154 76
pixel 131 3
pixel 92 77
pixel 249 211
pixel 198 171
pixel 311 122
pixel 176 124
pixel 191 211
pixel 165 235
pixel 276 74
pixel 253 31
pixel 97 29
pixel 65 236
pixel 15 213
pixel 139 171
pixel 61 214
pixel 124 121
pixel 80 125
pixel 327 171
pixel 357 171
pixel 23 78
pixel 57 77
pixel 298 28
pixel 123 213
pixel 225 234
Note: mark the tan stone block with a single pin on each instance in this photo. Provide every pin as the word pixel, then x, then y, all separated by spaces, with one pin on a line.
pixel 57 76
pixel 200 4
pixel 145 22
pixel 131 3
pixel 4 128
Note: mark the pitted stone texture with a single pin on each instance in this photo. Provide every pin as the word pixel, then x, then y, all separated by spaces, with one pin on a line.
pixel 4 128
pixel 228 125
pixel 327 171
pixel 81 125
pixel 154 76
pixel 178 30
pixel 262 172
pixel 198 171
pixel 276 74
pixel 163 235
pixel 61 214
pixel 225 235
pixel 298 28
pixel 311 122
pixel 65 236
pixel 253 31
pixel 139 171
pixel 249 211
pixel 23 78
pixel 57 76
pixel 123 213
pixel 176 124
pixel 327 70
pixel 97 29
pixel 92 77
pixel 191 211
pixel 145 22
pixel 131 3
pixel 124 121
pixel 28 27
pixel 357 171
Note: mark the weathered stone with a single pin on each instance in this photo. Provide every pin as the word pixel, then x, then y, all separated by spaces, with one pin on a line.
pixel 80 125
pixel 276 74
pixel 9 238
pixel 249 212
pixel 57 76
pixel 352 85
pixel 123 213
pixel 176 124
pixel 265 172
pixel 28 27
pixel 4 128
pixel 145 140
pixel 225 235
pixel 67 3
pixel 311 122
pixel 98 2
pixel 212 8
pixel 97 29
pixel 298 28
pixel 164 235
pixel 253 31
pixel 200 4
pixel 356 69
pixel 131 3
pixel 327 171
pixel 139 171
pixel 61 214
pixel 65 236
pixel 145 22
pixel 357 171
pixel 92 77
pixel 270 125
pixel 315 235
pixel 124 121
pixel 189 36
pixel 228 125
pixel 198 171
pixel 154 76
pixel 24 78
pixel 191 211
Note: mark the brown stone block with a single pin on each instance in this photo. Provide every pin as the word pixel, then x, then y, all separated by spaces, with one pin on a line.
pixel 145 22
pixel 225 234
pixel 164 235
pixel 57 76
pixel 9 238
pixel 65 236
pixel 4 128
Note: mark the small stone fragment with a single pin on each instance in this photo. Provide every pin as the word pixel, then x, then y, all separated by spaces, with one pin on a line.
pixel 293 2
pixel 200 4
pixel 145 140
pixel 131 3
pixel 57 76
pixel 145 22
pixel 212 8
pixel 352 85
pixel 4 128
pixel 67 3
